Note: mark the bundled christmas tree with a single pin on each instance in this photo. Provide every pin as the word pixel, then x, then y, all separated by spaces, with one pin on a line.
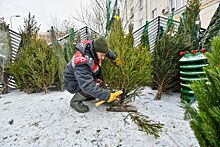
pixel 5 55
pixel 69 49
pixel 188 34
pixel 144 37
pixel 212 30
pixel 35 66
pixel 205 121
pixel 59 54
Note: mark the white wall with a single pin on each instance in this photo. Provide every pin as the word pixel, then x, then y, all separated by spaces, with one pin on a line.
pixel 208 8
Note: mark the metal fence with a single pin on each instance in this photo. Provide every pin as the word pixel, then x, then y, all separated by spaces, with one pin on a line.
pixel 15 41
pixel 86 32
pixel 83 34
pixel 153 30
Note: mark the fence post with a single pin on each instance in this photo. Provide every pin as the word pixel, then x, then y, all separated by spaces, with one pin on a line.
pixel 158 27
pixel 87 33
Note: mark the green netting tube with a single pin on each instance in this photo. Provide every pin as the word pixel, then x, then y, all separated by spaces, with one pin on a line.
pixel 193 66
pixel 188 97
pixel 192 79
pixel 187 91
pixel 185 85
pixel 192 73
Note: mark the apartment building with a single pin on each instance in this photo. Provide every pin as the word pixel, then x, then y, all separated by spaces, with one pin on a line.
pixel 134 12
pixel 138 11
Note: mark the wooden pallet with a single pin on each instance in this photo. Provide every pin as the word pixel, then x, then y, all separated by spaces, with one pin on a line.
pixel 125 108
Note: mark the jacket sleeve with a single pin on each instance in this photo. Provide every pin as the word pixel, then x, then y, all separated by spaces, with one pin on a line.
pixel 111 55
pixel 87 84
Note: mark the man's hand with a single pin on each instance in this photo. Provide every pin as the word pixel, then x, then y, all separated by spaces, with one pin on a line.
pixel 112 97
pixel 117 61
pixel 100 83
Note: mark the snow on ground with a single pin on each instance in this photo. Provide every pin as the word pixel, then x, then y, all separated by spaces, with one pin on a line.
pixel 46 120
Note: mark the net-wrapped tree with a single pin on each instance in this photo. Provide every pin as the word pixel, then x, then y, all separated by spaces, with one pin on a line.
pixel 35 66
pixel 5 55
pixel 69 49
pixel 59 54
pixel 205 120
pixel 188 33
pixel 135 69
pixel 144 43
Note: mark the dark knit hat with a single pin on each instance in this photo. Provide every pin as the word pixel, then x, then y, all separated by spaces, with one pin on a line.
pixel 100 45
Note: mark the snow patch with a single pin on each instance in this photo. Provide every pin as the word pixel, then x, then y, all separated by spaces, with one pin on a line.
pixel 48 120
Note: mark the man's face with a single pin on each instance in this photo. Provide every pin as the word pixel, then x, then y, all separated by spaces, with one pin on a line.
pixel 101 56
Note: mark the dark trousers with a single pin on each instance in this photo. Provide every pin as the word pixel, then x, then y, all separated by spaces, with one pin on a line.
pixel 99 83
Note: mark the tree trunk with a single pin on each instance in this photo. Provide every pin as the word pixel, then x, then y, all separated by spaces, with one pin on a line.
pixel 4 83
pixel 159 92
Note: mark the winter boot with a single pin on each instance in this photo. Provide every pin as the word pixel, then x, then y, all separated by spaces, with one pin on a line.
pixel 76 103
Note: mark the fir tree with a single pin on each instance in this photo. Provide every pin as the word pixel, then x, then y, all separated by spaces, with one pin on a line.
pixel 135 70
pixel 165 65
pixel 165 62
pixel 29 32
pixel 35 66
pixel 133 73
pixel 205 121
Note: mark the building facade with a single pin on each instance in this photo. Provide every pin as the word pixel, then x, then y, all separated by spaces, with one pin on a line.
pixel 137 12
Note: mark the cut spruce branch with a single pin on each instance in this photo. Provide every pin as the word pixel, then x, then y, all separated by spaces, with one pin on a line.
pixel 145 124
pixel 150 127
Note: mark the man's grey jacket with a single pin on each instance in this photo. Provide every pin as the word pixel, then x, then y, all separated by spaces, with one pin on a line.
pixel 83 69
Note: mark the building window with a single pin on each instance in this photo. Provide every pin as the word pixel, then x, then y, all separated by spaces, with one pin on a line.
pixel 184 2
pixel 176 4
pixel 140 22
pixel 154 13
pixel 172 4
pixel 141 4
pixel 153 6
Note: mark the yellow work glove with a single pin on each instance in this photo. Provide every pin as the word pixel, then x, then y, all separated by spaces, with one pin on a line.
pixel 112 97
pixel 117 61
